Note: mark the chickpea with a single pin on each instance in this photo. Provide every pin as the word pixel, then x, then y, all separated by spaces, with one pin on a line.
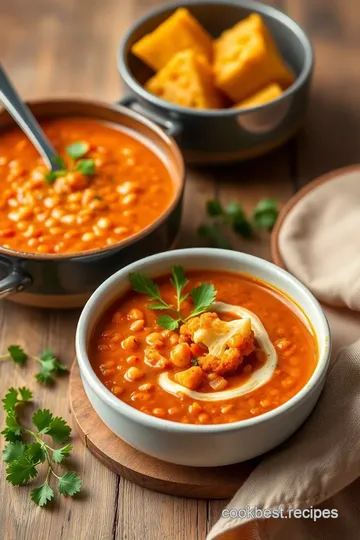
pixel 134 373
pixel 195 408
pixel 158 412
pixel 180 355
pixel 173 410
pixel 104 223
pixel 75 197
pixel 43 248
pixel 55 231
pixel 88 237
pixel 129 343
pixel 117 390
pixel 135 314
pixel 76 180
pixel 264 403
pixel 190 378
pixel 51 202
pixel 155 338
pixel 57 213
pixel 174 339
pixel 97 204
pixel 132 360
pixel 128 187
pixel 121 230
pixel 129 199
pixel 226 409
pixel 69 219
pixel 147 387
pixel 138 325
pixel 203 418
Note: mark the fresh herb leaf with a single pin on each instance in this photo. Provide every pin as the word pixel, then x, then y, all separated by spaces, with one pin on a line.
pixel 195 362
pixel 59 430
pixel 42 495
pixel 86 167
pixel 179 281
pixel 78 149
pixel 10 400
pixel 234 209
pixel 202 296
pixel 69 484
pixel 17 354
pixel 49 366
pixel 167 322
pixel 26 394
pixel 158 307
pixel 36 453
pixel 214 208
pixel 51 176
pixel 13 450
pixel 61 453
pixel 20 470
pixel 242 226
pixel 145 285
pixel 58 162
pixel 213 233
pixel 42 419
pixel 265 214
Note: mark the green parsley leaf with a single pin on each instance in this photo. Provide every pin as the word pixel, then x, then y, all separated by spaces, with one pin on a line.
pixel 234 209
pixel 58 430
pixel 12 423
pixel 60 454
pixel 49 365
pixel 42 419
pixel 14 450
pixel 214 208
pixel 86 167
pixel 58 162
pixel 242 226
pixel 10 400
pixel 69 484
pixel 77 150
pixel 26 394
pixel 202 296
pixel 51 176
pixel 179 281
pixel 213 233
pixel 20 470
pixel 158 306
pixel 265 214
pixel 42 495
pixel 145 285
pixel 36 453
pixel 17 354
pixel 166 321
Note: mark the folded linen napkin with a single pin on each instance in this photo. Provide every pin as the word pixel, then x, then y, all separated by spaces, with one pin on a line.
pixel 319 466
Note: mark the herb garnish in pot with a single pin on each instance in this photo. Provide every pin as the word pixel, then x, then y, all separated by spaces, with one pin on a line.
pixel 75 151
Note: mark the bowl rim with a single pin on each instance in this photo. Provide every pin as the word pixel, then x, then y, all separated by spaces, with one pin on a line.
pixel 179 185
pixel 153 422
pixel 263 9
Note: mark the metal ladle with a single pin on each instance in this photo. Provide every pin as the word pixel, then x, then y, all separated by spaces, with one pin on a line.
pixel 26 121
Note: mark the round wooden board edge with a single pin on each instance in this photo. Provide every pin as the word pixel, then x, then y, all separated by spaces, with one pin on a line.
pixel 144 470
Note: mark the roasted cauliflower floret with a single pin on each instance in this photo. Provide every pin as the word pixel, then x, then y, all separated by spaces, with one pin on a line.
pixel 227 342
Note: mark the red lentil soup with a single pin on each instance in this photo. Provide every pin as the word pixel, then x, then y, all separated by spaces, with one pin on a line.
pixel 114 187
pixel 117 352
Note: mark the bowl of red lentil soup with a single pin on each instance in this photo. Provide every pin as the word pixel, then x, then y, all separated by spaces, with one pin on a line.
pixel 116 198
pixel 203 357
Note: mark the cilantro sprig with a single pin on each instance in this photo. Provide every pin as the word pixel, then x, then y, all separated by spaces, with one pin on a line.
pixel 202 297
pixel 50 365
pixel 264 216
pixel 24 458
pixel 75 151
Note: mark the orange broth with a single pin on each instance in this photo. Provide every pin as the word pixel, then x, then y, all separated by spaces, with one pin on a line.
pixel 287 328
pixel 130 188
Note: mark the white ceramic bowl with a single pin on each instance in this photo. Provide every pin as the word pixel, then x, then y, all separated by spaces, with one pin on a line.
pixel 202 445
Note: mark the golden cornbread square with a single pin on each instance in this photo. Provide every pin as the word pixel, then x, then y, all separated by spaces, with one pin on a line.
pixel 186 80
pixel 246 59
pixel 266 94
pixel 179 32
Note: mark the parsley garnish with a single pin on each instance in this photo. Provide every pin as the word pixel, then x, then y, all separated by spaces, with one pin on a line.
pixel 75 151
pixel 202 296
pixel 233 215
pixel 50 365
pixel 23 458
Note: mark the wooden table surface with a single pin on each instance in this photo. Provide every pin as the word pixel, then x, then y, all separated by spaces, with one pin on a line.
pixel 58 48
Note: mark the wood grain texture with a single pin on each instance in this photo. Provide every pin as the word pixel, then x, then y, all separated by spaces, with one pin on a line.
pixel 67 48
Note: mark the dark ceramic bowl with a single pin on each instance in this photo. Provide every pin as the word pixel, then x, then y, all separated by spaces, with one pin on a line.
pixel 68 280
pixel 224 135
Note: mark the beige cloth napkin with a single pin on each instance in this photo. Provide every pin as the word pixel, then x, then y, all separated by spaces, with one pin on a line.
pixel 320 465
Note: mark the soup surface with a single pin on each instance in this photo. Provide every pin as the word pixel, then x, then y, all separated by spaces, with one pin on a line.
pixel 109 187
pixel 134 356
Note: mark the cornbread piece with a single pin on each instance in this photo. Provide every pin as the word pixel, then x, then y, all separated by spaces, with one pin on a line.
pixel 246 59
pixel 179 32
pixel 270 92
pixel 186 80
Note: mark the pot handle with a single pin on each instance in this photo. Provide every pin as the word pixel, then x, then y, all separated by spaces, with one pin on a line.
pixel 16 281
pixel 171 127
